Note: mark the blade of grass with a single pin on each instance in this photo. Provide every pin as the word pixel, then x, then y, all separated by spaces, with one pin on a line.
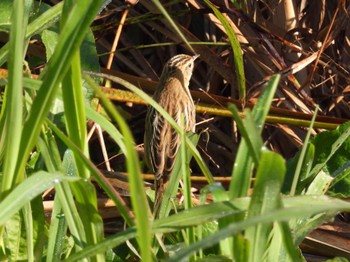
pixel 85 195
pixel 198 215
pixel 27 190
pixel 335 146
pixel 101 180
pixel 58 224
pixel 28 221
pixel 284 214
pixel 266 198
pixel 70 39
pixel 137 192
pixel 106 126
pixel 302 156
pixel 172 23
pixel 302 206
pixel 185 171
pixel 13 115
pixel 282 247
pixel 57 232
pixel 248 131
pixel 262 107
pixel 175 177
pixel 106 244
pixel 41 23
pixel 64 192
pixel 241 173
pixel 237 52
pixel 74 107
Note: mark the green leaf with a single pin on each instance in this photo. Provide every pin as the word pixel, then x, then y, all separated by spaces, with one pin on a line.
pixel 27 190
pixel 12 116
pixel 137 193
pixel 106 244
pixel 242 169
pixel 303 167
pixel 249 132
pixel 175 177
pixel 5 15
pixel 15 238
pixel 200 214
pixel 304 170
pixel 329 149
pixel 88 56
pixel 50 39
pixel 71 37
pixel 171 22
pixel 58 229
pixel 266 198
pixel 320 184
pixel 332 152
pixel 305 208
pixel 38 25
pixel 236 47
pixel 39 227
pixel 110 191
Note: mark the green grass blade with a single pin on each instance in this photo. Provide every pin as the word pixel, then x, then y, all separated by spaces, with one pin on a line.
pixel 175 177
pixel 104 245
pixel 302 157
pixel 319 205
pixel 27 190
pixel 335 146
pixel 186 178
pixel 266 198
pixel 48 148
pixel 137 192
pixel 191 217
pixel 185 170
pixel 249 132
pixel 302 206
pixel 106 126
pixel 172 23
pixel 70 39
pixel 39 226
pixel 13 114
pixel 282 246
pixel 57 232
pixel 74 106
pixel 28 220
pixel 236 47
pixel 262 107
pixel 41 23
pixel 72 216
pixel 199 215
pixel 110 191
pixel 242 170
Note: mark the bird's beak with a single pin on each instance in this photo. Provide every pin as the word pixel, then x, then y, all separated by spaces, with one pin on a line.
pixel 195 57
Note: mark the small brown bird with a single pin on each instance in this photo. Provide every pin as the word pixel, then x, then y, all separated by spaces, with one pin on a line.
pixel 161 140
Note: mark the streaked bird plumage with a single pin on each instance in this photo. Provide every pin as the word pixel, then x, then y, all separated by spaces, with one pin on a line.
pixel 161 140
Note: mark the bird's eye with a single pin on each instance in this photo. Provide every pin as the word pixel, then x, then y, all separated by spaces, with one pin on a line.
pixel 190 65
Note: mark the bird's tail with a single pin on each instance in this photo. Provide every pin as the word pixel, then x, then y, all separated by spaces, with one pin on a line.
pixel 160 187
